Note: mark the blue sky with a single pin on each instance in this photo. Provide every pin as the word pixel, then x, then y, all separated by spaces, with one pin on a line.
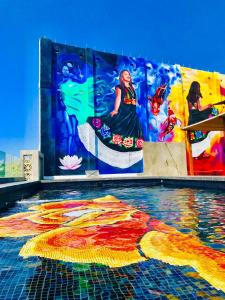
pixel 190 33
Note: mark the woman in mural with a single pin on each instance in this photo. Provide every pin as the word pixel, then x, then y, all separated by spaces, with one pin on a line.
pixel 67 81
pixel 119 131
pixel 197 113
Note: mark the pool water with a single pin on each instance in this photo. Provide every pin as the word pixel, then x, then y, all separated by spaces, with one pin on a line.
pixel 196 212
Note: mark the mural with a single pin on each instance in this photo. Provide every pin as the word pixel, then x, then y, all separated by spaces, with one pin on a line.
pixel 75 102
pixel 107 231
pixel 164 96
pixel 119 125
pixel 202 94
pixel 104 106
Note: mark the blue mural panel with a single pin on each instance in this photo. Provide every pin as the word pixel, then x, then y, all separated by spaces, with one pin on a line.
pixel 73 72
pixel 119 125
pixel 161 117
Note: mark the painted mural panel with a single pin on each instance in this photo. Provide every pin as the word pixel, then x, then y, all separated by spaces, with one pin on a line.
pixel 201 93
pixel 74 103
pixel 222 90
pixel 119 126
pixel 165 103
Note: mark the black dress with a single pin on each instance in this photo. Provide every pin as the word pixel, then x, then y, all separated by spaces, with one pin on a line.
pixel 195 116
pixel 123 131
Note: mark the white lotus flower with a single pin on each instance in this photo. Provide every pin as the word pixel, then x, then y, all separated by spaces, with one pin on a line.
pixel 70 162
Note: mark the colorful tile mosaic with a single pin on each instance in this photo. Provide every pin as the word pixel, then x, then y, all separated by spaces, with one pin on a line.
pixel 165 244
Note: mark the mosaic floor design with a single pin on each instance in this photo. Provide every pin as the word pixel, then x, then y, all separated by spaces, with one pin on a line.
pixel 106 248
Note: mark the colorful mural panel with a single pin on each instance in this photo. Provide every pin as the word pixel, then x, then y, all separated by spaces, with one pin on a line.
pixel 165 105
pixel 107 231
pixel 119 126
pixel 75 102
pixel 222 90
pixel 201 91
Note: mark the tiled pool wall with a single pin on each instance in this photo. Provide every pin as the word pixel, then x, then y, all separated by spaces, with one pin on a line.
pixel 11 192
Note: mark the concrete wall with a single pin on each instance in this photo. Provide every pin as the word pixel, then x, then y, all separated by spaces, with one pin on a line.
pixel 165 159
pixel 32 164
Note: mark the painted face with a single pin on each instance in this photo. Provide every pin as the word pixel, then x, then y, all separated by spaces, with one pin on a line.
pixel 65 71
pixel 155 108
pixel 126 76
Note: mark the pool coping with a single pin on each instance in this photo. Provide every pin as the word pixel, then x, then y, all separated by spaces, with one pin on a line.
pixel 129 177
pixel 4 180
pixel 211 182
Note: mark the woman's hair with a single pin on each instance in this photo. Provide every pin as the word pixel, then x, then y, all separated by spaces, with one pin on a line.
pixel 121 81
pixel 194 93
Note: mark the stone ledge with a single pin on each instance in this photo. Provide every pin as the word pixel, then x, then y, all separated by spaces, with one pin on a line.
pixel 10 179
pixel 125 177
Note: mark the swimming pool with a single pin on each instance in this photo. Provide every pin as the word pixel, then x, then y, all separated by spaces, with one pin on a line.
pixel 194 214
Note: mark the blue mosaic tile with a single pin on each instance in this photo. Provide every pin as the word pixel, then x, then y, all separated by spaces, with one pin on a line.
pixel 186 210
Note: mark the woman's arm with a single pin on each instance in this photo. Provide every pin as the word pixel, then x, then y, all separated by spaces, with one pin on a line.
pixel 117 102
pixel 201 108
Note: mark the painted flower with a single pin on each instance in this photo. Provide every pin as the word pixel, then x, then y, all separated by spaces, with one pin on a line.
pixel 107 231
pixel 139 143
pixel 97 123
pixel 214 112
pixel 117 139
pixel 192 136
pixel 128 142
pixel 198 134
pixel 105 131
pixel 70 162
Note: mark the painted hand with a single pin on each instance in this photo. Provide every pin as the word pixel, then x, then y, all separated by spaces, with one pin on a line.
pixel 113 113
